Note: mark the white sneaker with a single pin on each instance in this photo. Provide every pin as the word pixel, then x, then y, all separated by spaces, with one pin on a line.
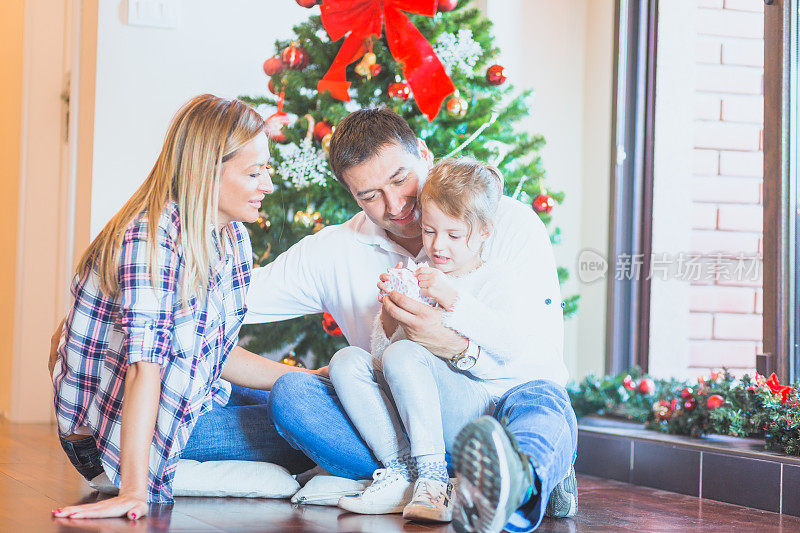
pixel 389 493
pixel 432 502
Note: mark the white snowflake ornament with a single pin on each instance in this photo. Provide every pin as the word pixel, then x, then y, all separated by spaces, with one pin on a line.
pixel 458 51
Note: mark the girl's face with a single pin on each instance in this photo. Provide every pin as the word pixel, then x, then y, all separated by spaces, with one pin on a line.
pixel 244 182
pixel 448 241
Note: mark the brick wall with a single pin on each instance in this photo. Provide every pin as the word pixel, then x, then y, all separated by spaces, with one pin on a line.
pixel 725 304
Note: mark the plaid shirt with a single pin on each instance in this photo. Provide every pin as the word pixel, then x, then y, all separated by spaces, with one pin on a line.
pixel 103 335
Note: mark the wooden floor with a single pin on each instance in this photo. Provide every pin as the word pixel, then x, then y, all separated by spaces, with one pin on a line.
pixel 35 477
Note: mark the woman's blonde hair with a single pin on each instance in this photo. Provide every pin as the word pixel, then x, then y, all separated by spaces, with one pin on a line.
pixel 206 132
pixel 464 189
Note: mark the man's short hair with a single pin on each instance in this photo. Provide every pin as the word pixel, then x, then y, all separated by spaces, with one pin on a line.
pixel 363 134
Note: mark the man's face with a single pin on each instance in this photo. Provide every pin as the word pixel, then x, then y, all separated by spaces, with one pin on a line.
pixel 386 185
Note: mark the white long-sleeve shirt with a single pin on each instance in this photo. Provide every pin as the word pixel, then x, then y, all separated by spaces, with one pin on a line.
pixel 336 270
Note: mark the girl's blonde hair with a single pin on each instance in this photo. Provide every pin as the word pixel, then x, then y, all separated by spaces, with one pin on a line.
pixel 206 132
pixel 464 189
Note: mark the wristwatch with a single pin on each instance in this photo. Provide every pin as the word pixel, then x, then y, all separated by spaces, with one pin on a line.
pixel 467 359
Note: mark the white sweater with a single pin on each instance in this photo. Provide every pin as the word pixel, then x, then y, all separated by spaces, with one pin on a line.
pixel 494 312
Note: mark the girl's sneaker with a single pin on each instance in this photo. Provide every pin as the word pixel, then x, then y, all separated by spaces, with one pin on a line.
pixel 432 502
pixel 389 493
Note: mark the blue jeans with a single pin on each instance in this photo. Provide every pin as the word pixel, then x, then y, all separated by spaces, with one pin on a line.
pixel 309 415
pixel 243 430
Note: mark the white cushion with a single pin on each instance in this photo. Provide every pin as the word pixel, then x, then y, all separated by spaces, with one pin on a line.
pixel 326 490
pixel 239 479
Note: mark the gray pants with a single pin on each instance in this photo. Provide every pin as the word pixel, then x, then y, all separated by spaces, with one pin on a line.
pixel 433 400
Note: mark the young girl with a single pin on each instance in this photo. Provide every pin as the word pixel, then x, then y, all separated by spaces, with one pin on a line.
pixel 159 301
pixel 408 404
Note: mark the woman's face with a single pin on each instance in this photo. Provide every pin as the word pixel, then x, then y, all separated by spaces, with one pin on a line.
pixel 244 182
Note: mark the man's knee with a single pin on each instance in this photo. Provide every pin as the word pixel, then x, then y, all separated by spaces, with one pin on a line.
pixel 405 357
pixel 348 362
pixel 290 393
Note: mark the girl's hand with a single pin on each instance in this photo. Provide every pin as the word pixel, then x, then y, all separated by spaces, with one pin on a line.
pixel 389 323
pixel 434 283
pixel 131 506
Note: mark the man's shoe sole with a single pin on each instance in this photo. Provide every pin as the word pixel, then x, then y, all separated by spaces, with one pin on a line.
pixel 481 464
pixel 563 501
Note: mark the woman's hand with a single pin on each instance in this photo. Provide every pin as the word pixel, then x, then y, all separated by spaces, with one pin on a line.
pixel 323 372
pixel 131 506
pixel 434 283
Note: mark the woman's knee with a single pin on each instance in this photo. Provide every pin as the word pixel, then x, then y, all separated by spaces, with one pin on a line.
pixel 348 362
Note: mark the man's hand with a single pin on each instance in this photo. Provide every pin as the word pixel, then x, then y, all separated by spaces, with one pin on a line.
pixel 423 324
pixel 54 341
pixel 434 283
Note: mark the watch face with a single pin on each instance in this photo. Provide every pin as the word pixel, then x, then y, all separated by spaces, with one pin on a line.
pixel 466 362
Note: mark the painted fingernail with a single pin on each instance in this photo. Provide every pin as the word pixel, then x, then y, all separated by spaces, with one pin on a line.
pixel 133 516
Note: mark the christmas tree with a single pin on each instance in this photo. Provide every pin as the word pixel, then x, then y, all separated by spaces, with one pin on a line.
pixel 438 69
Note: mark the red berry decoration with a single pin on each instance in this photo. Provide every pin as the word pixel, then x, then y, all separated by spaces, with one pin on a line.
pixel 321 129
pixel 647 386
pixel 496 75
pixel 294 56
pixel 447 5
pixel 273 65
pixel 544 203
pixel 399 89
pixel 686 393
pixel 276 124
pixel 690 404
pixel 375 69
pixel 628 383
pixel 306 3
pixel 714 401
pixel 330 326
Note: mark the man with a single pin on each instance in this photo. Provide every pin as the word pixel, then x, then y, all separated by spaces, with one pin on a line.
pixel 509 462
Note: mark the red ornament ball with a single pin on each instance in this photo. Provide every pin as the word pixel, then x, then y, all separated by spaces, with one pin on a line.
pixel 647 386
pixel 686 393
pixel 294 57
pixel 544 203
pixel 375 69
pixel 306 3
pixel 496 75
pixel 399 89
pixel 272 66
pixel 714 401
pixel 321 129
pixel 330 326
pixel 628 383
pixel 276 125
pixel 447 5
pixel 274 89
pixel 690 404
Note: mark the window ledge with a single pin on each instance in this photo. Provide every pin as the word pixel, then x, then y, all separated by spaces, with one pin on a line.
pixel 727 469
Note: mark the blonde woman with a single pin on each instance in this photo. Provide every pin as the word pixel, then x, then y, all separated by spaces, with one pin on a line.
pixel 159 298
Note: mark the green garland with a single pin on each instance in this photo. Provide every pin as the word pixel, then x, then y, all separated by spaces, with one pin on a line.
pixel 720 404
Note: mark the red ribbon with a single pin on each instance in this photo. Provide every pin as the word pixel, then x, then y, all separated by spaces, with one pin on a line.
pixel 360 20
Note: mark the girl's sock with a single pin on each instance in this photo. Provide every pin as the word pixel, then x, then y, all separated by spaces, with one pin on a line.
pixel 403 465
pixel 432 466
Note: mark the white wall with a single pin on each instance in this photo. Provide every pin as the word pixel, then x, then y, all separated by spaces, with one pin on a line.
pixel 145 74
pixel 564 50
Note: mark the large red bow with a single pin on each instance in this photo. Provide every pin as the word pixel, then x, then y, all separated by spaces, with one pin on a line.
pixel 362 19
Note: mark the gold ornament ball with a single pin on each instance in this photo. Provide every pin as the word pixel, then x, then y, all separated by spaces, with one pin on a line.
pixel 326 142
pixel 456 107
